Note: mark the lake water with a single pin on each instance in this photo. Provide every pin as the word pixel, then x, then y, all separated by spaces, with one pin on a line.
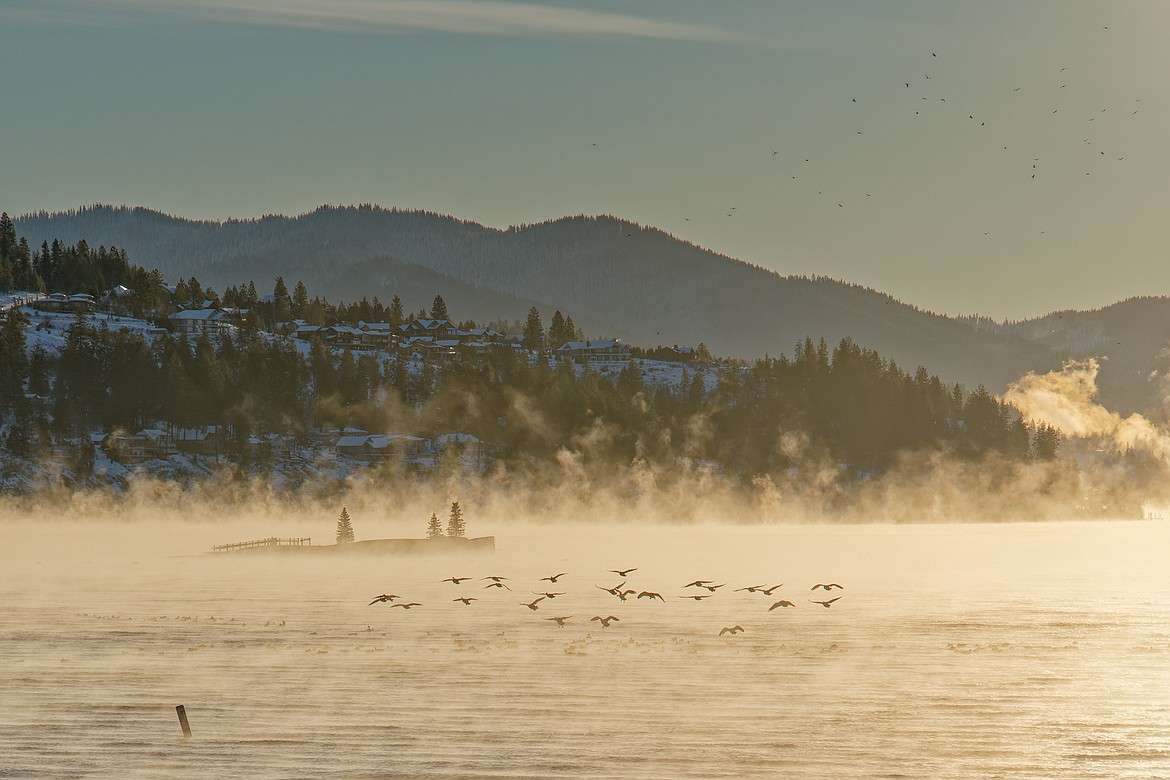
pixel 955 651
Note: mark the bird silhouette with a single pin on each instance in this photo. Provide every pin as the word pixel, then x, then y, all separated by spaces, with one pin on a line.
pixel 623 572
pixel 731 630
pixel 615 590
pixel 768 591
pixel 781 603
pixel 649 594
pixel 465 599
pixel 713 588
pixel 605 620
pixel 384 597
pixel 496 585
pixel 456 580
pixel 553 579
pixel 825 604
pixel 830 586
pixel 699 597
pixel 559 619
pixel 532 605
pixel 407 604
pixel 698 584
pixel 493 578
pixel 547 595
pixel 750 588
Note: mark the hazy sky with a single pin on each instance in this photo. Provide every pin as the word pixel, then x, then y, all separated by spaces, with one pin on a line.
pixel 690 115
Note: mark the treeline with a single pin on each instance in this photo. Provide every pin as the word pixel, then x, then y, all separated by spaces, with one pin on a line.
pixel 847 405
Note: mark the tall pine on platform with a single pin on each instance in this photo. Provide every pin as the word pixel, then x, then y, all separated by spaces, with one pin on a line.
pixel 455 526
pixel 344 528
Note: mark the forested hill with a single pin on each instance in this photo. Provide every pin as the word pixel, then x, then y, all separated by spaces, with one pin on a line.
pixel 615 277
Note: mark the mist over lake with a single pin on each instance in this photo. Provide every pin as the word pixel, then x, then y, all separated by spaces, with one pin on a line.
pixel 977 650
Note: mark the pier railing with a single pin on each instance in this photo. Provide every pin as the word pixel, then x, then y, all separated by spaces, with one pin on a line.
pixel 272 541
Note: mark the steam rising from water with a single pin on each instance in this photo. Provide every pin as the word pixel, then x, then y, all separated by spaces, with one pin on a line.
pixel 1066 400
pixel 1017 650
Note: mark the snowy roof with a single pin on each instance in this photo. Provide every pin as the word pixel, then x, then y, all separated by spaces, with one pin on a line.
pixel 344 329
pixel 375 326
pixel 461 438
pixel 599 344
pixel 120 291
pixel 199 314
pixel 353 440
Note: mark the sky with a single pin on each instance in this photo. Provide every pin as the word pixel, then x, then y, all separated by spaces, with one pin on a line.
pixel 998 158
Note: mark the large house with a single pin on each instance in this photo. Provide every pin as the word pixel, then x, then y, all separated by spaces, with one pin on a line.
pixel 372 447
pixel 590 352
pixel 197 322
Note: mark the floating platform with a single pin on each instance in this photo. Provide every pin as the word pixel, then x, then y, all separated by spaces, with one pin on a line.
pixel 442 545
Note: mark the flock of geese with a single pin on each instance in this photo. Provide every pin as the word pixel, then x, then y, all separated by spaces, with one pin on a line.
pixel 701 590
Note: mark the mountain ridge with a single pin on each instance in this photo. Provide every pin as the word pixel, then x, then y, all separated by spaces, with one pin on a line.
pixel 613 276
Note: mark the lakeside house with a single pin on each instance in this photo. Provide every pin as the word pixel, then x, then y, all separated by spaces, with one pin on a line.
pixel 197 322
pixel 594 352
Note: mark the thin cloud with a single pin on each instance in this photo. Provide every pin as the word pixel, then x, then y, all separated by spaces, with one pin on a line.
pixel 460 17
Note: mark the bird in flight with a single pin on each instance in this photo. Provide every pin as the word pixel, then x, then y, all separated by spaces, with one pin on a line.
pixel 750 588
pixel 698 584
pixel 456 580
pixel 496 585
pixel 713 588
pixel 532 605
pixel 407 604
pixel 605 620
pixel 615 590
pixel 768 591
pixel 699 597
pixel 553 579
pixel 825 604
pixel 829 586
pixel 623 572
pixel 560 619
pixel 465 599
pixel 383 598
pixel 547 595
pixel 649 594
pixel 733 630
pixel 493 578
pixel 781 603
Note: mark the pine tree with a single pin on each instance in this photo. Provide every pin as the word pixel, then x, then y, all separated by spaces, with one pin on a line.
pixel 439 309
pixel 557 334
pixel 344 528
pixel 434 527
pixel 300 300
pixel 281 301
pixel 397 315
pixel 533 330
pixel 455 525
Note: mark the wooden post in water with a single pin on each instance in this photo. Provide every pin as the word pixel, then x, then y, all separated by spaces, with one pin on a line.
pixel 183 721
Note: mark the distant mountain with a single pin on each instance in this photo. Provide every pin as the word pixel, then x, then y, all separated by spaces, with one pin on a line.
pixel 615 278
pixel 1132 339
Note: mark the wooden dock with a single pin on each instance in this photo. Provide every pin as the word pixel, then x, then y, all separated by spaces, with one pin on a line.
pixel 272 541
pixel 443 545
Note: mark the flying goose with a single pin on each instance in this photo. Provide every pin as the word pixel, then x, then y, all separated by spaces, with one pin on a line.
pixel 384 597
